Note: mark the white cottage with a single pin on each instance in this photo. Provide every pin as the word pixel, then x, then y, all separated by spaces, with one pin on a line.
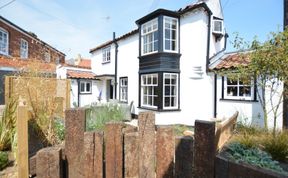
pixel 164 66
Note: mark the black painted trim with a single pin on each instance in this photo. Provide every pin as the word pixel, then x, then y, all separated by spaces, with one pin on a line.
pixel 155 14
pixel 120 89
pixel 222 93
pixel 208 42
pixel 116 65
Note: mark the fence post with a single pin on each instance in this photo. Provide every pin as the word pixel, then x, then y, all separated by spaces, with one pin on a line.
pixel 48 163
pixel 184 157
pixel 165 150
pixel 22 139
pixel 147 144
pixel 114 150
pixel 93 155
pixel 205 150
pixel 131 159
pixel 74 141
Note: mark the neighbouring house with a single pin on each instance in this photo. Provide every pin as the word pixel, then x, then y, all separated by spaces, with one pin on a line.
pixel 163 65
pixel 84 85
pixel 19 47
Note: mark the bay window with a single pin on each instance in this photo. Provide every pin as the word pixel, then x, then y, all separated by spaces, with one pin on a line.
pixel 170 34
pixel 149 83
pixel 170 97
pixel 149 35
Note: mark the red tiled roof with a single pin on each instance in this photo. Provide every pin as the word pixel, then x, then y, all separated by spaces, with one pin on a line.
pixel 233 60
pixel 86 63
pixel 80 74
pixel 24 64
pixel 75 66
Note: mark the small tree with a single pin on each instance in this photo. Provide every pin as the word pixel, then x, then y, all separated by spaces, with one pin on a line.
pixel 269 64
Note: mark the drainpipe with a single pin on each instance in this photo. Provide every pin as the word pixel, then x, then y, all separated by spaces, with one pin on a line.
pixel 215 95
pixel 208 41
pixel 116 65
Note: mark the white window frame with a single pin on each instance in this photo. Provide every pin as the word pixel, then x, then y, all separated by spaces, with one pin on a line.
pixel 85 91
pixel 145 83
pixel 106 55
pixel 24 49
pixel 238 85
pixel 170 85
pixel 4 43
pixel 147 29
pixel 170 21
pixel 124 89
pixel 214 25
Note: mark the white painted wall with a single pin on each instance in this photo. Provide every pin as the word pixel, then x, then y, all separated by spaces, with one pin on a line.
pixel 100 68
pixel 128 66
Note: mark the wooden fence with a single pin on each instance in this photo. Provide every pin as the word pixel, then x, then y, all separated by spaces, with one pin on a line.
pixel 126 151
pixel 39 90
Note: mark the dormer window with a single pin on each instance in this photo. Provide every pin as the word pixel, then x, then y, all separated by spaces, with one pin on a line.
pixel 149 34
pixel 170 34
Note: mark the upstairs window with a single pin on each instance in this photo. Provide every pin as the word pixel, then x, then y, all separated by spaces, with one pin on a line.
pixel 106 55
pixel 124 89
pixel 238 89
pixel 3 42
pixel 85 87
pixel 170 34
pixel 23 49
pixel 149 35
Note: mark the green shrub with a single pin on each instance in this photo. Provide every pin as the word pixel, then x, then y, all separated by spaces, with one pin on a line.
pixel 59 129
pixel 8 125
pixel 253 156
pixel 276 145
pixel 4 161
pixel 98 116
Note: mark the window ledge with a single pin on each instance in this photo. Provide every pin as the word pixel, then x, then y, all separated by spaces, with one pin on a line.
pixel 159 110
pixel 85 93
pixel 106 62
pixel 239 100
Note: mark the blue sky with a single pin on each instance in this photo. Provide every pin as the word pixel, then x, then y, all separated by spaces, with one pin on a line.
pixel 75 26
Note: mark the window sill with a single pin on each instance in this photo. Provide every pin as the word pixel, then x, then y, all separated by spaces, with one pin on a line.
pixel 85 93
pixel 106 62
pixel 239 100
pixel 159 110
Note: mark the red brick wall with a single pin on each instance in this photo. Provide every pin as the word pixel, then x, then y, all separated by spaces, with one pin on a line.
pixel 36 48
